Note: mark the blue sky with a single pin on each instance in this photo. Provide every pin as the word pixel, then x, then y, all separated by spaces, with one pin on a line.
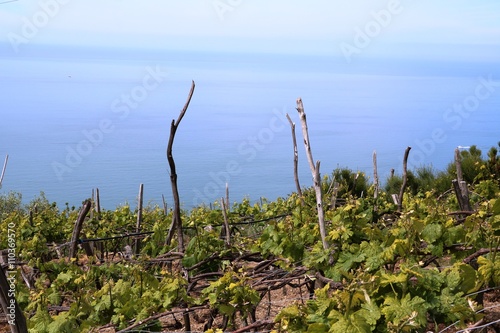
pixel 317 26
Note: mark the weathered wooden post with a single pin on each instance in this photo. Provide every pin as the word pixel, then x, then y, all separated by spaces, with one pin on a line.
pixel 460 186
pixel 176 219
pixel 315 173
pixel 227 231
pixel 405 178
pixel 78 227
pixel 375 180
pixel 137 242
pixel 3 169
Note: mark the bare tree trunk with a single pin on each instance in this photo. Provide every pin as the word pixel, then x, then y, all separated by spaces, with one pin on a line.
pixel 315 174
pixel 176 220
pixel 137 242
pixel 403 185
pixel 78 227
pixel 296 161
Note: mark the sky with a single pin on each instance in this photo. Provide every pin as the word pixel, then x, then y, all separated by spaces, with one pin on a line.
pixel 290 26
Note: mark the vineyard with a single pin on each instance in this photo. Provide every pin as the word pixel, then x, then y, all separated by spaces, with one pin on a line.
pixel 346 255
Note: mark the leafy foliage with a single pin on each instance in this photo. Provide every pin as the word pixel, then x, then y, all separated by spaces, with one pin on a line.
pixel 386 271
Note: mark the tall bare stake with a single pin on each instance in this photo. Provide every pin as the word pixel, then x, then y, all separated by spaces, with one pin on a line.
pixel 227 231
pixel 405 177
pixel 458 165
pixel 140 199
pixel 3 169
pixel 375 180
pixel 78 227
pixel 295 160
pixel 460 186
pixel 315 174
pixel 176 219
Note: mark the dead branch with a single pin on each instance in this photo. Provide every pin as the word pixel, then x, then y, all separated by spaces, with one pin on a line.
pixel 478 253
pixel 405 176
pixel 315 173
pixel 78 227
pixel 137 244
pixel 158 316
pixel 458 164
pixel 295 161
pixel 3 169
pixel 6 301
pixel 227 231
pixel 257 324
pixel 176 219
pixel 375 180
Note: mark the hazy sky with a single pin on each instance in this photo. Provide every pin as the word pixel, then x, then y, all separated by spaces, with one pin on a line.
pixel 317 26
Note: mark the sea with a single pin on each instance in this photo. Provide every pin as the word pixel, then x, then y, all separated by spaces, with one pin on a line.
pixel 77 119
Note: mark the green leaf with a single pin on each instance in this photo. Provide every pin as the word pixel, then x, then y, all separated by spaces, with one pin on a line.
pixel 406 312
pixel 65 277
pixel 496 207
pixel 54 298
pixel 432 232
pixel 317 328
pixel 226 309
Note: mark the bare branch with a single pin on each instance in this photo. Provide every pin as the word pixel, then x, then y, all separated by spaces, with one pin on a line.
pixel 315 174
pixel 295 161
pixel 176 218
pixel 78 227
pixel 375 180
pixel 3 169
pixel 403 186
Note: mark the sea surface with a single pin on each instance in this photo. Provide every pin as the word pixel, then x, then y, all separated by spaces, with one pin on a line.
pixel 72 120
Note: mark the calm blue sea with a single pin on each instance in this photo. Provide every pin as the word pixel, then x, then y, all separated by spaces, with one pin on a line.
pixel 74 120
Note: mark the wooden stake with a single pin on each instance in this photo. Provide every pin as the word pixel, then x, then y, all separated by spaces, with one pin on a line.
pixel 335 193
pixel 403 185
pixel 137 243
pixel 315 173
pixel 227 197
pixel 227 232
pixel 97 203
pixel 462 193
pixel 3 169
pixel 375 180
pixel 458 165
pixel 92 208
pixel 296 161
pixel 78 227
pixel 176 220
pixel 164 205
